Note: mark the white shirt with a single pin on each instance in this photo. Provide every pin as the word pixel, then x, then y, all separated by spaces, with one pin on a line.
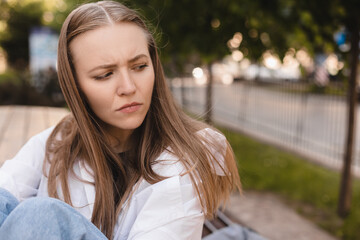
pixel 167 210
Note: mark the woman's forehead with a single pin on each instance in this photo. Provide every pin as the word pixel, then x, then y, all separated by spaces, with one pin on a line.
pixel 115 42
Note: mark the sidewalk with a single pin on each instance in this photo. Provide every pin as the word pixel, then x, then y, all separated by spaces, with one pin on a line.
pixel 19 123
pixel 263 212
pixel 268 215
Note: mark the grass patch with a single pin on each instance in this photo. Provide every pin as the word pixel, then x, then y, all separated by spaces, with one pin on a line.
pixel 332 89
pixel 310 189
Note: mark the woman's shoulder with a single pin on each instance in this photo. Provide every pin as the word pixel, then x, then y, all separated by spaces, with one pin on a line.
pixel 35 145
pixel 168 164
pixel 42 136
pixel 213 135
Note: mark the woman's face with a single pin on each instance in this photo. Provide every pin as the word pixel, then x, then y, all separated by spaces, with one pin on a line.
pixel 115 72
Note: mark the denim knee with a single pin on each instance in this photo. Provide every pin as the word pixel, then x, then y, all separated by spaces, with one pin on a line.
pixel 48 218
pixel 46 208
pixel 44 218
pixel 7 203
pixel 41 203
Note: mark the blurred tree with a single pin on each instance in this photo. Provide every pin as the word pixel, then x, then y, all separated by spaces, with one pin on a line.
pixel 312 24
pixel 59 10
pixel 18 19
pixel 198 32
pixel 326 17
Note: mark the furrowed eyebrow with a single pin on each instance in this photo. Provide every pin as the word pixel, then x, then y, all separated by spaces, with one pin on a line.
pixel 105 66
pixel 132 60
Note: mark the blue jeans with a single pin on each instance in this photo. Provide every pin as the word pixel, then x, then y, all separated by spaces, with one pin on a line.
pixel 43 218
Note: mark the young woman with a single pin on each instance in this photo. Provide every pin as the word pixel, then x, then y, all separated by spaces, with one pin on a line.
pixel 127 163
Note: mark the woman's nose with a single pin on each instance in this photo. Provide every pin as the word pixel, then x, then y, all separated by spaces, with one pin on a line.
pixel 126 85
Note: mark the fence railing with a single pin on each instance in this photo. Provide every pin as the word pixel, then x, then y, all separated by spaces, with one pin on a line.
pixel 298 116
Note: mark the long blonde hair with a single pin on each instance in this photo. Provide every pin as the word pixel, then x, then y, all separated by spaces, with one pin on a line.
pixel 164 127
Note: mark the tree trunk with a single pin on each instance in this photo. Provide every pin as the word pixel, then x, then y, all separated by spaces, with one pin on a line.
pixel 346 180
pixel 209 86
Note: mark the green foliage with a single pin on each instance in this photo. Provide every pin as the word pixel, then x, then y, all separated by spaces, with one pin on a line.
pixel 188 35
pixel 314 88
pixel 192 31
pixel 14 40
pixel 197 32
pixel 15 88
pixel 311 189
pixel 10 76
pixel 61 11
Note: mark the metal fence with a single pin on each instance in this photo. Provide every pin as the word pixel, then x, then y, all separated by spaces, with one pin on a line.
pixel 301 117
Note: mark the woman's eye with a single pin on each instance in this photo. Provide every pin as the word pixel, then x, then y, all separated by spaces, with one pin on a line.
pixel 104 76
pixel 140 67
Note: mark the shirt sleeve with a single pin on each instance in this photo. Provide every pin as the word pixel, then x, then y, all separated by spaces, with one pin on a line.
pixel 21 175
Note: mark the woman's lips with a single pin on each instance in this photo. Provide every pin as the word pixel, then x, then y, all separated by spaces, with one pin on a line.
pixel 129 108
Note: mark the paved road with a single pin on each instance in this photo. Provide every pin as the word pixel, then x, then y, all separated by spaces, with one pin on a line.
pixel 311 124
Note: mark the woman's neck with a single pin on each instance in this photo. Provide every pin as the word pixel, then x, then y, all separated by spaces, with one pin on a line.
pixel 119 138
